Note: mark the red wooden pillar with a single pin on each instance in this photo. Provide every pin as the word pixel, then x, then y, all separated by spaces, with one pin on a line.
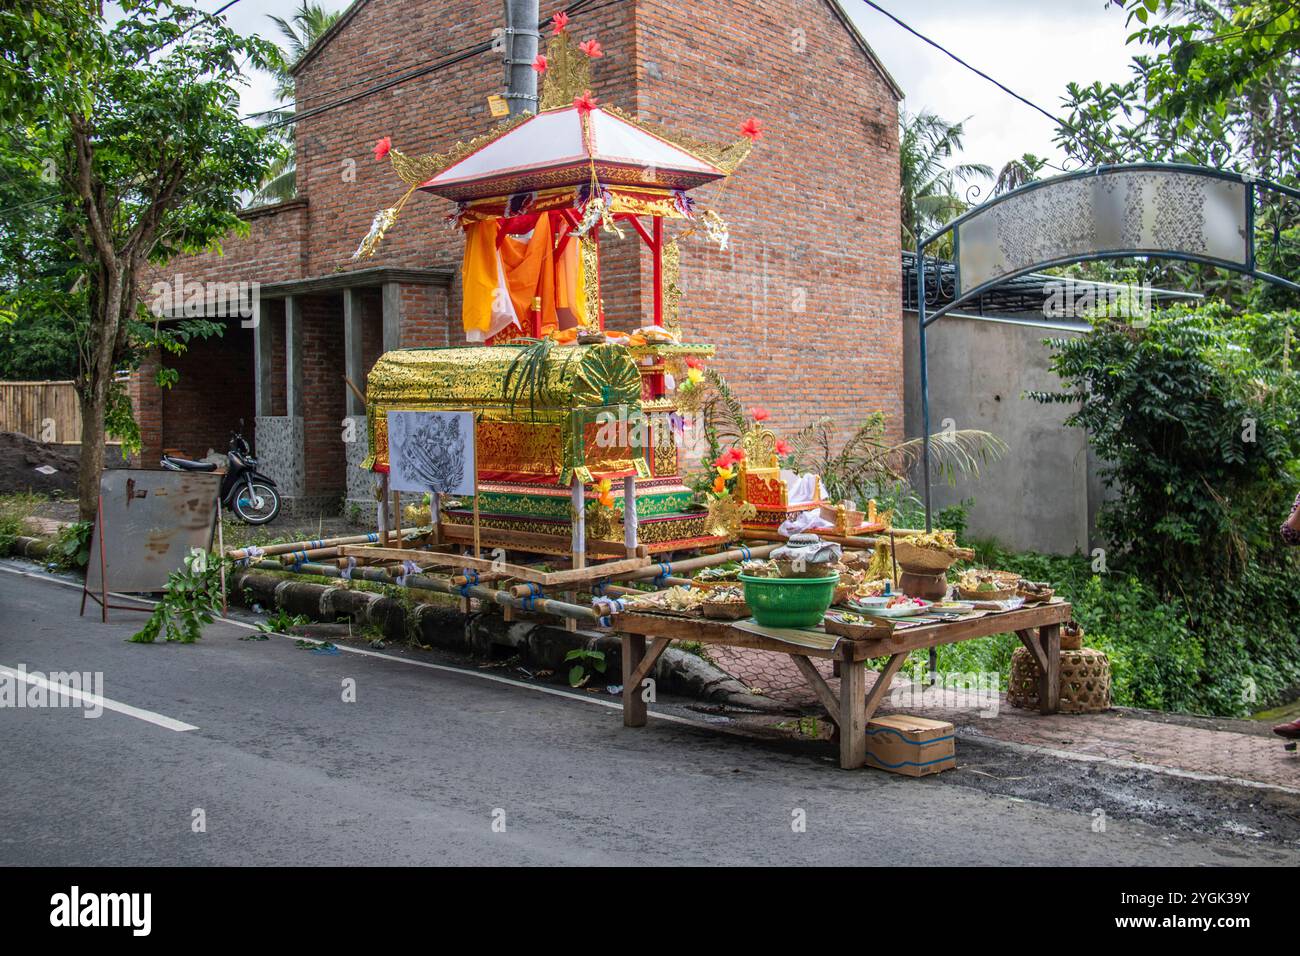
pixel 657 248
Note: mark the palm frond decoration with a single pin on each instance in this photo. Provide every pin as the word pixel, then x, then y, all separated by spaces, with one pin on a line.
pixel 861 467
pixel 869 461
pixel 952 453
pixel 722 415
pixel 526 375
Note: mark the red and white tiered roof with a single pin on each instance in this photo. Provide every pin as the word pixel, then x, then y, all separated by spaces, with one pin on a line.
pixel 553 150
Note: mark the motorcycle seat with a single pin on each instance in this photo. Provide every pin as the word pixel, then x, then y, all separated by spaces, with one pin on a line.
pixel 187 465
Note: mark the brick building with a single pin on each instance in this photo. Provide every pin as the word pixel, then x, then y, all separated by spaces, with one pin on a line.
pixel 804 306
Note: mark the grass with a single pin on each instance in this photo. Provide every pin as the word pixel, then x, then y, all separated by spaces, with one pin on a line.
pixel 15 509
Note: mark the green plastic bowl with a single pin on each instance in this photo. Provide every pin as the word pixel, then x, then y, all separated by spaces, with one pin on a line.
pixel 789 602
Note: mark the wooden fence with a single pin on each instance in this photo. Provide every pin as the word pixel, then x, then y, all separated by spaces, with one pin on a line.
pixel 45 411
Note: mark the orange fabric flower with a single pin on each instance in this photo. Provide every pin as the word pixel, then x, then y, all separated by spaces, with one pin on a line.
pixel 719 485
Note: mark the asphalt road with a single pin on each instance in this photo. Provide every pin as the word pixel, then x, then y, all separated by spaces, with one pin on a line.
pixel 419 768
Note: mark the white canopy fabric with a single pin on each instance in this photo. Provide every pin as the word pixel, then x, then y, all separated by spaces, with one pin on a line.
pixel 548 151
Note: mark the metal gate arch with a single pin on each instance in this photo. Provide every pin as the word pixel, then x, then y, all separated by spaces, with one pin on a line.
pixel 1157 210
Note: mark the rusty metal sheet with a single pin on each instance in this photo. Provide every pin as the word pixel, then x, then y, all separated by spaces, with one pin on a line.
pixel 149 521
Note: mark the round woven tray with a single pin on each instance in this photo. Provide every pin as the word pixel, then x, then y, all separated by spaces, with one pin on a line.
pixel 725 610
pixel 1002 595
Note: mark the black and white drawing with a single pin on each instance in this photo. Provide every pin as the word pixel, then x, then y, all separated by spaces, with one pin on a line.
pixel 431 451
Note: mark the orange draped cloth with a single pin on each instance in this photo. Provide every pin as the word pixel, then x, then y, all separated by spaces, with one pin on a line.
pixel 503 276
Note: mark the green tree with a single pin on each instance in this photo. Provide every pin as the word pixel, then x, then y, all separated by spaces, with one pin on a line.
pixel 928 178
pixel 42 301
pixel 138 121
pixel 1216 83
pixel 300 32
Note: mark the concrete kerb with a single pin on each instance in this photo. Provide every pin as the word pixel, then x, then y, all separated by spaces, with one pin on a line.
pixel 484 635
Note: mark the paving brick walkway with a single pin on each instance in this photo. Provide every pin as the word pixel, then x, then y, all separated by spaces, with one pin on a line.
pixel 1241 750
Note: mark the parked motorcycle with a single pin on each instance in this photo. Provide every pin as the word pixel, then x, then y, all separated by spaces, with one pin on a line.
pixel 244 490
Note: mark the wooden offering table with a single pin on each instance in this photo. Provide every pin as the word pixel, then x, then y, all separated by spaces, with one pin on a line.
pixel 1037 626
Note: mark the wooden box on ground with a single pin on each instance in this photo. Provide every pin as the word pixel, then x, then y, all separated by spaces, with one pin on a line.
pixel 914 746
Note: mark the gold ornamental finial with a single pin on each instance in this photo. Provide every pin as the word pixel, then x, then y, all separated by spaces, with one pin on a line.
pixel 567 75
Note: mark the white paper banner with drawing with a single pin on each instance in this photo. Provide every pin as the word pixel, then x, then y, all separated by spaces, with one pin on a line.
pixel 431 452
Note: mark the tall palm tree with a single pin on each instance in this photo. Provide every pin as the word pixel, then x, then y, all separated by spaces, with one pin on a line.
pixel 929 196
pixel 1018 172
pixel 299 32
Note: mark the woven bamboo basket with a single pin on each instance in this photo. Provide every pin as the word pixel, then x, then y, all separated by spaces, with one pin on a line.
pixel 1085 681
pixel 927 560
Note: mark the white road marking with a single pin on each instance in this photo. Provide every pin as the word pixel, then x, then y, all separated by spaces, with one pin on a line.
pixel 495 678
pixel 159 720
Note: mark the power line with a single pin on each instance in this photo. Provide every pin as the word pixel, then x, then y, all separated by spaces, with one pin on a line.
pixel 216 13
pixel 447 60
pixel 980 73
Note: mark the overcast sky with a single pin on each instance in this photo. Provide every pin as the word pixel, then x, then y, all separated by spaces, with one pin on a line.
pixel 1032 46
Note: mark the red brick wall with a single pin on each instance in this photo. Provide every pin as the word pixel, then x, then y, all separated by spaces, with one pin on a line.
pixel 274 250
pixel 424 318
pixel 146 400
pixel 273 315
pixel 218 392
pixel 372 330
pixel 324 399
pixel 813 212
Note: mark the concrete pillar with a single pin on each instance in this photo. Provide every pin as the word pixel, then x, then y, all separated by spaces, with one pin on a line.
pixel 293 333
pixel 353 357
pixel 263 368
pixel 392 316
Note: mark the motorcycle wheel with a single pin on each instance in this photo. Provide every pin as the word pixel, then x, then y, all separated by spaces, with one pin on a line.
pixel 260 506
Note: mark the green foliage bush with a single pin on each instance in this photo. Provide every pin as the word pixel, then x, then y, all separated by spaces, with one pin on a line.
pixel 1195 417
pixel 14 510
pixel 71 549
pixel 1222 652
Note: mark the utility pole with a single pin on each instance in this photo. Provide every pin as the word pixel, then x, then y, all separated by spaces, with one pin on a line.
pixel 521 37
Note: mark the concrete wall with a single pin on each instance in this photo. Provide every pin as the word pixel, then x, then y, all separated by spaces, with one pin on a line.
pixel 1044 493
